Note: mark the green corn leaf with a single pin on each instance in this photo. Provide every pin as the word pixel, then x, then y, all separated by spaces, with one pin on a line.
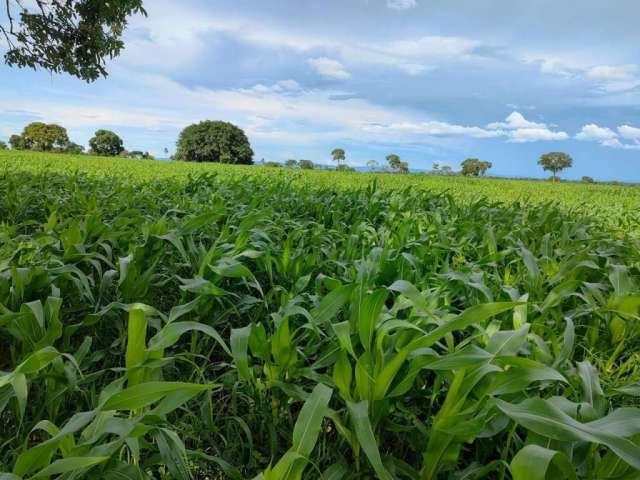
pixel 70 464
pixel 368 313
pixel 239 345
pixel 537 463
pixel 145 394
pixel 543 418
pixel 359 413
pixel 172 332
pixel 136 345
pixel 331 304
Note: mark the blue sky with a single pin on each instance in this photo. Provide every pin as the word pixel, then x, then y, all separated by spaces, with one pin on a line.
pixel 430 80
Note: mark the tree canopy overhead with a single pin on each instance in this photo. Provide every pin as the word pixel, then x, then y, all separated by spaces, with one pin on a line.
pixel 72 36
pixel 214 141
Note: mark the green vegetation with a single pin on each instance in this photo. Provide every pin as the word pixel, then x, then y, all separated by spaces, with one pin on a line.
pixel 72 36
pixel 474 167
pixel 160 318
pixel 555 162
pixel 106 143
pixel 214 141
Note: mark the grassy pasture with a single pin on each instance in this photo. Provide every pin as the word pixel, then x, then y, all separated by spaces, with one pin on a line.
pixel 169 320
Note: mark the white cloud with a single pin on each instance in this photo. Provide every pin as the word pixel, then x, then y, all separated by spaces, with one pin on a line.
pixel 435 129
pixel 596 133
pixel 535 135
pixel 515 121
pixel 608 78
pixel 328 67
pixel 608 138
pixel 520 130
pixel 401 4
pixel 630 133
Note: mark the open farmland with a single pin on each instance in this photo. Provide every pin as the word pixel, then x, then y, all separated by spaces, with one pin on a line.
pixel 167 320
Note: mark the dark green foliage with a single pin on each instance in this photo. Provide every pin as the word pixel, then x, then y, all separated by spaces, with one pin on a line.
pixel 306 164
pixel 16 142
pixel 214 141
pixel 474 167
pixel 338 155
pixel 555 162
pixel 73 148
pixel 291 163
pixel 106 143
pixel 3 145
pixel 72 36
pixel 396 164
pixel 41 137
pixel 587 179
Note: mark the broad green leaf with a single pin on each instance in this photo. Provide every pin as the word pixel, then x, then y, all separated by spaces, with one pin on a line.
pixel 545 419
pixel 172 332
pixel 331 304
pixel 537 463
pixel 70 464
pixel 145 394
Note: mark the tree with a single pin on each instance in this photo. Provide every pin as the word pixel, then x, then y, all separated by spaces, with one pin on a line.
pixel 394 161
pixel 471 167
pixel 338 155
pixel 446 170
pixel 214 141
pixel 74 148
pixel 555 162
pixel 396 164
pixel 373 165
pixel 3 146
pixel 306 164
pixel 272 164
pixel 483 167
pixel 72 36
pixel 41 137
pixel 291 163
pixel 587 179
pixel 16 142
pixel 106 143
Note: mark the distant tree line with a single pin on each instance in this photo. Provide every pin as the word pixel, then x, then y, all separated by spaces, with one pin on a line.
pixel 223 142
pixel 50 137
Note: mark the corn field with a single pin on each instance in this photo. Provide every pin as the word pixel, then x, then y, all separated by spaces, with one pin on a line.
pixel 175 321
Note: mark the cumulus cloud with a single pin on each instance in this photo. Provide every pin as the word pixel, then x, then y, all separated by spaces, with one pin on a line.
pixel 594 132
pixel 401 4
pixel 630 133
pixel 609 138
pixel 520 130
pixel 329 68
